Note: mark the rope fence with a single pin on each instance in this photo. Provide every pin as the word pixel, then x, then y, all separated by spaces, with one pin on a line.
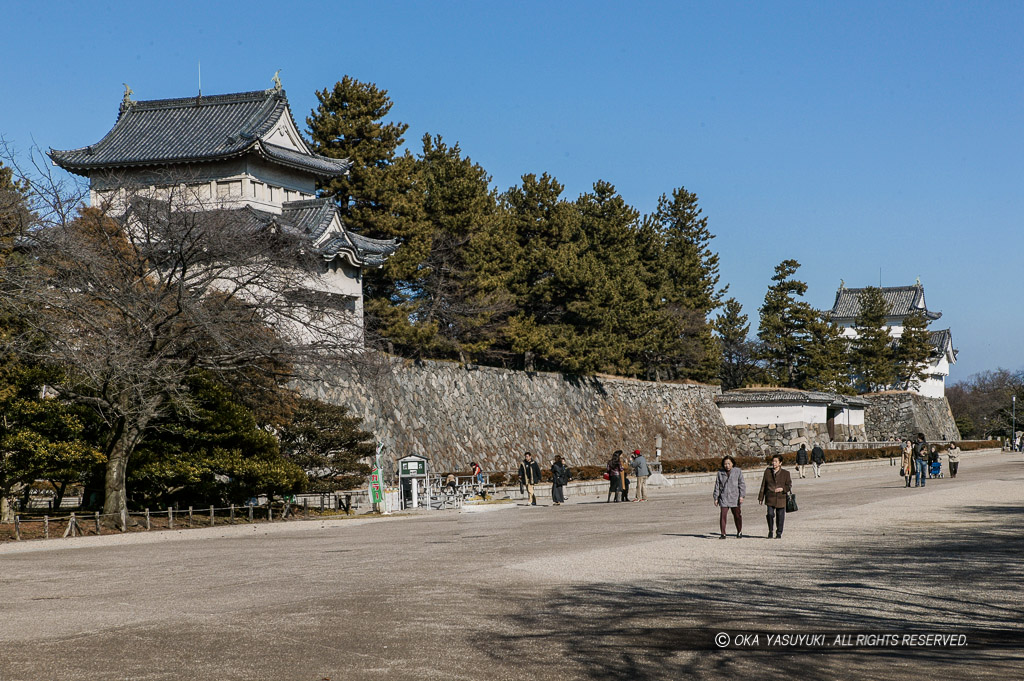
pixel 77 524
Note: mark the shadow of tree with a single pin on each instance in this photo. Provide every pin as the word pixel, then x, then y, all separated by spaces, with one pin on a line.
pixel 960 579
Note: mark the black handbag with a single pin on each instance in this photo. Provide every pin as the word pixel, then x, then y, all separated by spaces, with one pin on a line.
pixel 903 472
pixel 791 503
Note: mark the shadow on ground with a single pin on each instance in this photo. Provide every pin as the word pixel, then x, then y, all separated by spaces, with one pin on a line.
pixel 961 578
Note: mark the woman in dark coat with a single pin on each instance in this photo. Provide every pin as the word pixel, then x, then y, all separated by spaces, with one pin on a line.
pixel 559 479
pixel 615 476
pixel 775 485
pixel 801 460
pixel 730 489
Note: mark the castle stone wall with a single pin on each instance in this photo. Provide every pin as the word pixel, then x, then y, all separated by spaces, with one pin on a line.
pixel 905 413
pixel 454 414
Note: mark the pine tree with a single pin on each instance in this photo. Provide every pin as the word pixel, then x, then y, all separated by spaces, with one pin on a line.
pixel 872 354
pixel 826 362
pixel 328 444
pixel 347 123
pixel 739 364
pixel 912 352
pixel 447 294
pixel 783 331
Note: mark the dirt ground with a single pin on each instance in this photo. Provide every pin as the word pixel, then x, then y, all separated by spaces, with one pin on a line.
pixel 588 590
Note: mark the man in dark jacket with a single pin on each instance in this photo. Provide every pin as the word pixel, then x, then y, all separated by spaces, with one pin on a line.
pixel 801 460
pixel 529 475
pixel 817 458
pixel 920 464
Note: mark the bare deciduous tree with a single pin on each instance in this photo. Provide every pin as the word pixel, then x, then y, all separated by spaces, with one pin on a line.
pixel 130 297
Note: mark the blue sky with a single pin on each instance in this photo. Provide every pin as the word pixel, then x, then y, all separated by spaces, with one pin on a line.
pixel 866 140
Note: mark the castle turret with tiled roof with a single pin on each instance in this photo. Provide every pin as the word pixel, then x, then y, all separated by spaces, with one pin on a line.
pixel 901 302
pixel 238 152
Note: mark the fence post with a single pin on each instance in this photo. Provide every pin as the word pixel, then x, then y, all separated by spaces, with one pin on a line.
pixel 250 513
pixel 232 514
pixel 97 522
pixel 270 510
pixel 305 508
pixel 211 516
pixel 170 518
pixel 46 527
pixel 17 527
pixel 321 504
pixel 124 519
pixel 148 526
pixel 190 516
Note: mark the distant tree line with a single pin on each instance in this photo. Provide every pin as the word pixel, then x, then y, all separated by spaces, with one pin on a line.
pixel 983 405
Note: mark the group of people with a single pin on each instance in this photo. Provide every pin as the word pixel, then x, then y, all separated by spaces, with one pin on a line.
pixel 817 458
pixel 918 462
pixel 731 489
pixel 616 473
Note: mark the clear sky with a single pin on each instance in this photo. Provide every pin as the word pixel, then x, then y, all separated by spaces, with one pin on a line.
pixel 871 141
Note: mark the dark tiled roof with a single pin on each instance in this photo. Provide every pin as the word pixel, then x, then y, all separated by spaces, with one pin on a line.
pixel 195 129
pixel 942 342
pixel 770 396
pixel 308 220
pixel 900 301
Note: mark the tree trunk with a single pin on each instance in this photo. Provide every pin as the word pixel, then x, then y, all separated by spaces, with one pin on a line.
pixel 115 496
pixel 6 516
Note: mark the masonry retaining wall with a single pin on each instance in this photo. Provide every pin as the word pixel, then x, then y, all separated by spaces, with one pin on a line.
pixel 904 414
pixel 454 414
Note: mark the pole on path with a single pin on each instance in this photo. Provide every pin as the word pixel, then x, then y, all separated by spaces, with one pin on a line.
pixel 46 527
pixel 97 522
pixel 211 516
pixel 17 528
pixel 148 526
pixel 232 514
pixel 170 517
pixel 1013 428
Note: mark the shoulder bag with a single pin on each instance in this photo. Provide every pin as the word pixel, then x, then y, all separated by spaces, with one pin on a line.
pixel 791 503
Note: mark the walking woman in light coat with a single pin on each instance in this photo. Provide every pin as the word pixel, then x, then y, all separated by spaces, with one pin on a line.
pixel 730 489
pixel 907 461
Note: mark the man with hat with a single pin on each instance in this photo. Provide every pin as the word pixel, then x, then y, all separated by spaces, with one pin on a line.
pixel 642 472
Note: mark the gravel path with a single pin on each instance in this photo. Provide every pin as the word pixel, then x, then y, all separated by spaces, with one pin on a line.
pixel 587 590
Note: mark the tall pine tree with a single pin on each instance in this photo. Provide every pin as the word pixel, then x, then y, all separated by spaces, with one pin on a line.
pixel 739 363
pixel 783 331
pixel 912 352
pixel 872 353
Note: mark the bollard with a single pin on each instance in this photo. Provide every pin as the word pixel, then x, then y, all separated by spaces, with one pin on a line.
pixel 190 516
pixel 17 527
pixel 97 522
pixel 170 517
pixel 250 513
pixel 321 504
pixel 305 508
pixel 232 514
pixel 211 516
pixel 46 527
pixel 148 526
pixel 124 519
pixel 270 510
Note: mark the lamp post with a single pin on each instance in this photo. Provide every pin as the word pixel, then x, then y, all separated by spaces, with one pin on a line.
pixel 1013 428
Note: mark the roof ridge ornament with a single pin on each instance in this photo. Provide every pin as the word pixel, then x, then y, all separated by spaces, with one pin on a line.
pixel 127 101
pixel 277 83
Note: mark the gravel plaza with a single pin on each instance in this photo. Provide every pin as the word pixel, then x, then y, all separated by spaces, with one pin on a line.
pixel 928 578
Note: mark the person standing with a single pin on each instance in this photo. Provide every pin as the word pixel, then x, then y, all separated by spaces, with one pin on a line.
pixel 953 454
pixel 775 485
pixel 478 475
pixel 559 479
pixel 529 475
pixel 801 460
pixel 642 472
pixel 730 490
pixel 907 461
pixel 920 463
pixel 818 459
pixel 614 472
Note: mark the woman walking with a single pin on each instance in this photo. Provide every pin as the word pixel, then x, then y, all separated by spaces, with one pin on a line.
pixel 801 460
pixel 614 473
pixel 559 479
pixel 907 461
pixel 730 489
pixel 953 454
pixel 775 485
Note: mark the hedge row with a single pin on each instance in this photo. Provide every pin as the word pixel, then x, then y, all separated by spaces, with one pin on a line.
pixel 745 462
